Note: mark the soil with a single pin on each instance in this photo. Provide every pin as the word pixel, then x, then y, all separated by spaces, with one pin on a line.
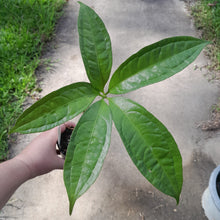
pixel 180 102
pixel 214 122
pixel 65 139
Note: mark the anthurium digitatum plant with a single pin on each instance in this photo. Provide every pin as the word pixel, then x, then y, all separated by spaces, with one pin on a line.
pixel 147 141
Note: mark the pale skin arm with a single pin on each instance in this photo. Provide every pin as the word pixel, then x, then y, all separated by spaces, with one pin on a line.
pixel 38 158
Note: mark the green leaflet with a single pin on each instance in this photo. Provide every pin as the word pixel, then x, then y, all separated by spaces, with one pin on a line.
pixel 149 144
pixel 87 150
pixel 155 63
pixel 95 46
pixel 56 108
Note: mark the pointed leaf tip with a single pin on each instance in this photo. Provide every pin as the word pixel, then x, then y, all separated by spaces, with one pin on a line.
pixel 71 205
pixel 79 2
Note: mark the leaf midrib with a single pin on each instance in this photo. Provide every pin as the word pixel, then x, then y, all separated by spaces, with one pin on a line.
pixel 150 66
pixel 49 112
pixel 147 145
pixel 96 51
pixel 53 95
pixel 95 121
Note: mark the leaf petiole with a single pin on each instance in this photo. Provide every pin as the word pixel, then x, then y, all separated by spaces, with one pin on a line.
pixel 103 95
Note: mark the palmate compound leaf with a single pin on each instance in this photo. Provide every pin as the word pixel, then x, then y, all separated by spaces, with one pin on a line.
pixel 95 46
pixel 87 150
pixel 56 108
pixel 149 144
pixel 155 63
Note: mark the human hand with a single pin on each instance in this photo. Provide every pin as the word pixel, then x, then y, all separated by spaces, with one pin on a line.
pixel 40 155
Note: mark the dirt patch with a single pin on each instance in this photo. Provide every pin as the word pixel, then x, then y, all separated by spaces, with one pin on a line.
pixel 65 139
pixel 214 122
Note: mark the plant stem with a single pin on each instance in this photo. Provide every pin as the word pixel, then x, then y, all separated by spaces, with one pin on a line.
pixel 103 95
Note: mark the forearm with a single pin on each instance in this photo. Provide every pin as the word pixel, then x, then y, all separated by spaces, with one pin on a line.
pixel 38 158
pixel 13 173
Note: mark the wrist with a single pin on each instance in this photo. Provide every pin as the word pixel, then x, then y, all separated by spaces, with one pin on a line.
pixel 25 167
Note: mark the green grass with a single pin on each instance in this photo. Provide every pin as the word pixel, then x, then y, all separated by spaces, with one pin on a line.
pixel 206 14
pixel 25 25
